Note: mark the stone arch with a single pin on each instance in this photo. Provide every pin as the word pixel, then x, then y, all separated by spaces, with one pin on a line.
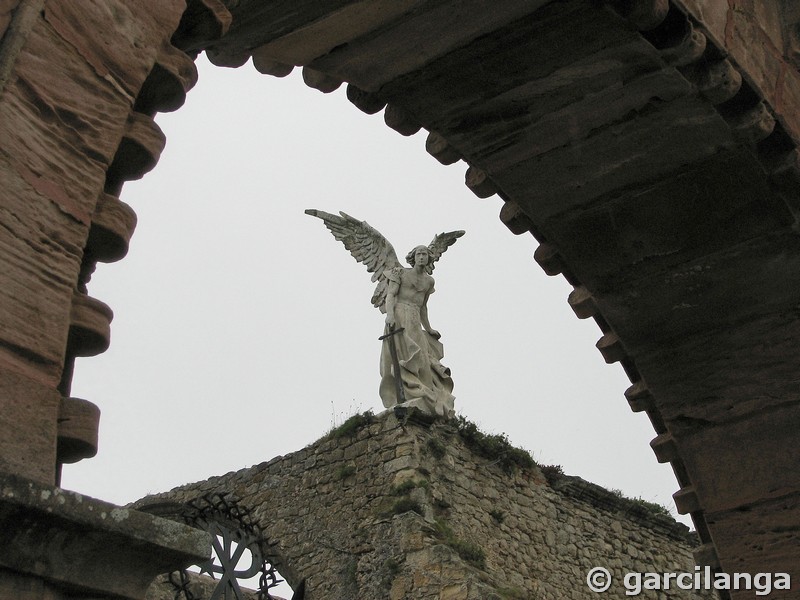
pixel 662 293
pixel 682 44
pixel 240 525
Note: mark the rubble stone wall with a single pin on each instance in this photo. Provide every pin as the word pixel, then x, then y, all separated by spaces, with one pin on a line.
pixel 406 511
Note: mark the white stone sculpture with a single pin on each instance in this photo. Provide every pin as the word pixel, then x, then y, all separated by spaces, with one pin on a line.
pixel 411 347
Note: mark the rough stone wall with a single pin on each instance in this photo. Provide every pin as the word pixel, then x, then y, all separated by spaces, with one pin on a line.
pixel 406 510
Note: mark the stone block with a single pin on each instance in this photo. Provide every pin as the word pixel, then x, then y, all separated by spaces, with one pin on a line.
pixel 78 542
pixel 29 424
pixel 78 422
pixel 403 462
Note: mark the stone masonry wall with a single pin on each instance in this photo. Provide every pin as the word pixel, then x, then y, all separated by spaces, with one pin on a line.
pixel 406 511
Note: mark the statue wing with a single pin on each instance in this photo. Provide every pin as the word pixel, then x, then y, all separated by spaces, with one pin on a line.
pixel 367 245
pixel 440 243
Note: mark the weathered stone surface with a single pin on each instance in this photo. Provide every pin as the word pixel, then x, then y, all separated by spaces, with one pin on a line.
pixel 647 244
pixel 61 121
pixel 364 101
pixel 267 66
pixel 564 181
pixel 688 50
pixel 671 221
pixel 316 38
pixel 611 347
pixel 89 327
pixel 582 303
pixel 642 14
pixel 78 422
pixel 753 35
pixel 744 536
pixel 6 10
pixel 118 39
pixel 113 223
pixel 44 241
pixel 26 587
pixel 72 540
pixel 438 29
pixel 28 421
pixel 138 152
pixel 549 259
pixel 440 149
pixel 320 81
pixel 515 219
pixel 201 586
pixel 479 183
pixel 332 513
pixel 203 21
pixel 743 473
pixel 719 81
pixel 173 74
pixel 400 120
pixel 639 397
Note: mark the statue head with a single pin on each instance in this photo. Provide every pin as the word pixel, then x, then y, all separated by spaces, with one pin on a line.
pixel 411 257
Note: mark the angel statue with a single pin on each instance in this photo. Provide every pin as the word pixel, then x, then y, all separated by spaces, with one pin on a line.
pixel 412 374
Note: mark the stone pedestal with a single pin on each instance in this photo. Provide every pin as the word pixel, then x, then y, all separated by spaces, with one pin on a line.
pixel 56 544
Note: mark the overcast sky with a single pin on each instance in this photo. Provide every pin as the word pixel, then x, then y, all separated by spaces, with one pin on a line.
pixel 243 330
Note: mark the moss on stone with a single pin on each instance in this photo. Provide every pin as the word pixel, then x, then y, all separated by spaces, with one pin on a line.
pixel 391 569
pixel 497 515
pixel 552 473
pixel 345 471
pixel 403 489
pixel 643 505
pixel 494 446
pixel 436 448
pixel 472 553
pixel 351 426
pixel 404 505
pixel 512 593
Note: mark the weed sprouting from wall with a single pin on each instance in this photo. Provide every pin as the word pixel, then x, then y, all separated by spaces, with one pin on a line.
pixel 495 447
pixel 436 448
pixel 404 505
pixel 345 471
pixel 643 505
pixel 351 426
pixel 472 553
pixel 552 473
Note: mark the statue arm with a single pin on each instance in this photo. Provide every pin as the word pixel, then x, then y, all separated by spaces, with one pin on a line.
pixel 423 317
pixel 391 298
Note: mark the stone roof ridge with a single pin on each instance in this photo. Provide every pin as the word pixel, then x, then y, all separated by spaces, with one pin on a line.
pixel 201 486
pixel 633 509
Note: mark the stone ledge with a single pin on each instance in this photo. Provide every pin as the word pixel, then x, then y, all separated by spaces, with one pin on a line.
pixel 606 500
pixel 84 545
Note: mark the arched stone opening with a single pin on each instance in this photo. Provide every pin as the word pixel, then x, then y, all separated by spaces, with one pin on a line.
pixel 759 232
pixel 244 553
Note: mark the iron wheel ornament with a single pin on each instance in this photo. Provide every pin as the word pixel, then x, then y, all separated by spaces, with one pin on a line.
pixel 233 535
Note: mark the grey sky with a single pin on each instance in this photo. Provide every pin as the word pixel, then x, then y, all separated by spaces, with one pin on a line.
pixel 243 330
